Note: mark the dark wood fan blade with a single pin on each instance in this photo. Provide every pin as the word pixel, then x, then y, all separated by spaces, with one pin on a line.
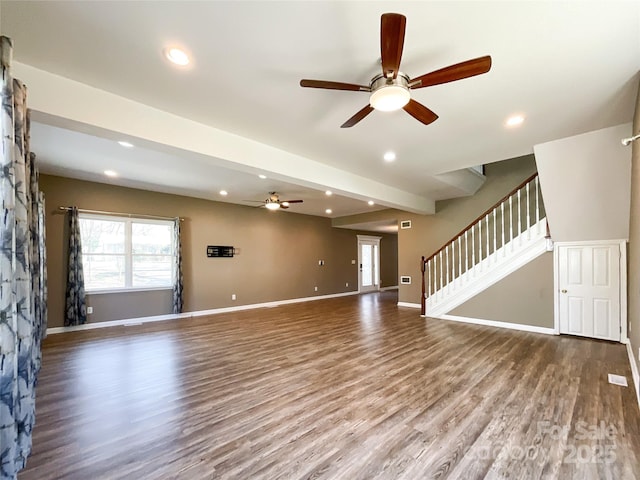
pixel 334 85
pixel 392 28
pixel 292 201
pixel 467 69
pixel 357 117
pixel 283 206
pixel 420 112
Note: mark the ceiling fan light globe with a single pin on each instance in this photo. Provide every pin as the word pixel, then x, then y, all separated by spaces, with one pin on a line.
pixel 389 98
pixel 272 205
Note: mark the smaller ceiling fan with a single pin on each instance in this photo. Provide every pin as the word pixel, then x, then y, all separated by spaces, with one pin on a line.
pixel 273 202
pixel 391 90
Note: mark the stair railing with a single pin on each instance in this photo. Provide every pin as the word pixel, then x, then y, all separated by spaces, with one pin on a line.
pixel 475 245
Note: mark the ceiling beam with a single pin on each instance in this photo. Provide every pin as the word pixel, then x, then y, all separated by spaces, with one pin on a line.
pixel 66 103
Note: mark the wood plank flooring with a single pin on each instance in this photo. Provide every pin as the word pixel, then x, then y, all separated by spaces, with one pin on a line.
pixel 349 388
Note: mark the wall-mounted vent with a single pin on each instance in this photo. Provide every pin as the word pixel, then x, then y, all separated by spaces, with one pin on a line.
pixel 405 224
pixel 217 251
pixel 405 280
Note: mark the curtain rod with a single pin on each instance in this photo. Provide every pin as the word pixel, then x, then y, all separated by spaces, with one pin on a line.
pixel 118 214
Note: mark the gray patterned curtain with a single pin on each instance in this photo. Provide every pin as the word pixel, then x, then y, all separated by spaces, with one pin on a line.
pixel 37 250
pixel 177 269
pixel 22 315
pixel 42 252
pixel 76 308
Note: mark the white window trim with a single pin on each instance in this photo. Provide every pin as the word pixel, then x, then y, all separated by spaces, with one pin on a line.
pixel 106 291
pixel 128 255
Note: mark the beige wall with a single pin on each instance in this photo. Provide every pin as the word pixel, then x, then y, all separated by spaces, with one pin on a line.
pixel 388 260
pixel 277 260
pixel 634 243
pixel 429 233
pixel 117 306
pixel 524 297
pixel 589 174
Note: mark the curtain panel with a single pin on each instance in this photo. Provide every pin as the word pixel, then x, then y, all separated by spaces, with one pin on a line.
pixel 177 269
pixel 75 304
pixel 22 274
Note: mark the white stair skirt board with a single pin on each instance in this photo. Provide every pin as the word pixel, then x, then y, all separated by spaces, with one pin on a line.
pixel 524 248
pixel 498 324
pixel 634 370
pixel 200 313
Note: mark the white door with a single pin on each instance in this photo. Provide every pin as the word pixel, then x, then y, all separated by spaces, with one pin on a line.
pixel 368 263
pixel 589 290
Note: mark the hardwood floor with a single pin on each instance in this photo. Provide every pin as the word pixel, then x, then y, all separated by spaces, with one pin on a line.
pixel 348 388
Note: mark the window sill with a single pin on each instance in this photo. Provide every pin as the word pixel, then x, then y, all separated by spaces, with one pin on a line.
pixel 125 290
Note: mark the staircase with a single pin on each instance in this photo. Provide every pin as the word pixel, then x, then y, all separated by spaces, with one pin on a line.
pixel 504 238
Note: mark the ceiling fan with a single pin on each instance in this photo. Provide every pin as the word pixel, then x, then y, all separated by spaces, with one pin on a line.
pixel 273 202
pixel 390 90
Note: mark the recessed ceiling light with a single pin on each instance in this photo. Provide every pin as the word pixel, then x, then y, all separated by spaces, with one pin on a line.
pixel 262 176
pixel 224 193
pixel 514 121
pixel 370 202
pixel 110 173
pixel 122 143
pixel 176 56
pixel 328 211
pixel 389 156
pixel 328 193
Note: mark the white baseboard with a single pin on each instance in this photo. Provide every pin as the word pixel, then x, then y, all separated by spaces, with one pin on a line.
pixel 410 305
pixel 116 323
pixel 200 313
pixel 494 323
pixel 393 287
pixel 634 369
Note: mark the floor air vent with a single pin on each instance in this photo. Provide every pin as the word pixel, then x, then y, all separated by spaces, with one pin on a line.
pixel 618 380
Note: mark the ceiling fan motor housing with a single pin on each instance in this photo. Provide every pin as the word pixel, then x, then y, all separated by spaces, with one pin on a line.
pixel 388 94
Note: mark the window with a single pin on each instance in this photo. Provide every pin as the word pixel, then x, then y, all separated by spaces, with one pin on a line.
pixel 126 253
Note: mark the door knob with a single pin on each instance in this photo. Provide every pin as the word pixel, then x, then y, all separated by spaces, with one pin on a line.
pixel 563 291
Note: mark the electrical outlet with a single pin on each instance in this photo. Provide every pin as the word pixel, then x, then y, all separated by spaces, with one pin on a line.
pixel 315 289
pixel 353 262
pixel 346 284
pixel 89 310
pixel 233 296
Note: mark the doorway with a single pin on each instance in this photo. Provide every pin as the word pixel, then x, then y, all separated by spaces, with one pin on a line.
pixel 591 289
pixel 368 263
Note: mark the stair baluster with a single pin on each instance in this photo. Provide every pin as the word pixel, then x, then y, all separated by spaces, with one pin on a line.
pixel 445 276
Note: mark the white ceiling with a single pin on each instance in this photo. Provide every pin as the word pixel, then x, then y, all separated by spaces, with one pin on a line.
pixel 78 155
pixel 568 67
